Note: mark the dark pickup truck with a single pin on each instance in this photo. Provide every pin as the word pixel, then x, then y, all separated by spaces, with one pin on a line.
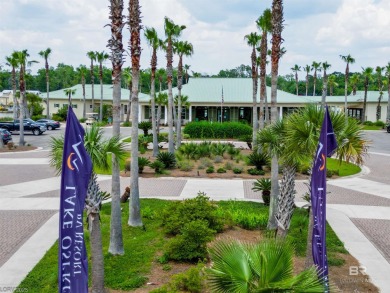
pixel 28 125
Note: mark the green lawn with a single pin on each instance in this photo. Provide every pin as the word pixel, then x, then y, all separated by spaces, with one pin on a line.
pixel 109 172
pixel 142 245
pixel 344 169
pixel 372 127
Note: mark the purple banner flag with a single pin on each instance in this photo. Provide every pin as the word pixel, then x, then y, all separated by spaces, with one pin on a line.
pixel 326 146
pixel 76 172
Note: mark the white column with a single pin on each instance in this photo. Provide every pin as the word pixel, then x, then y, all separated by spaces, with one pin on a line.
pixel 280 113
pixel 190 114
pixel 140 116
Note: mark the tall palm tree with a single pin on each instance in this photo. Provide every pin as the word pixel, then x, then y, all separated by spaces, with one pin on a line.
pixel 253 40
pixel 92 55
pixel 186 68
pixel 182 48
pixel 82 70
pixel 379 70
pixel 265 26
pixel 115 44
pixel 13 62
pixel 266 266
pixel 354 82
pixel 45 55
pixel 135 51
pixel 172 32
pixel 155 43
pixel 21 59
pixel 295 69
pixel 101 57
pixel 69 93
pixel 387 73
pixel 316 67
pixel 367 75
pixel 161 72
pixel 127 73
pixel 325 67
pixel 307 69
pixel 349 60
pixel 97 148
pixel 277 28
pixel 332 83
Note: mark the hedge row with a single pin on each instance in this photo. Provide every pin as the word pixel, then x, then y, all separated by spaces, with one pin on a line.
pixel 205 129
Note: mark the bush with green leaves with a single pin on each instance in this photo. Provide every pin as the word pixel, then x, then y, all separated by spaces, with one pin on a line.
pixel 145 126
pixel 157 166
pixel 254 171
pixel 368 123
pixel 210 170
pixel 191 243
pixel 168 159
pixel 205 129
pixel 204 149
pixel 126 124
pixel 163 137
pixel 142 163
pixel 177 214
pixel 221 170
pixel 228 166
pixel 232 151
pixel 218 149
pixel 218 159
pixel 379 123
pixel 205 163
pixel 185 165
pixel 237 170
pixel 258 160
pixel 189 150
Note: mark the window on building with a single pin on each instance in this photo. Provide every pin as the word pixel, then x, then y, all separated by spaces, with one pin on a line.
pixel 355 113
pixel 90 106
pixel 56 105
pixel 74 106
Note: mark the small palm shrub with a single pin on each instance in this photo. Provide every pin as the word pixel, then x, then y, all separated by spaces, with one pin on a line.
pixel 145 126
pixel 189 150
pixel 232 151
pixel 254 171
pixel 204 149
pixel 221 170
pixel 142 163
pixel 218 149
pixel 258 160
pixel 168 159
pixel 210 170
pixel 237 170
pixel 163 137
pixel 157 166
pixel 263 185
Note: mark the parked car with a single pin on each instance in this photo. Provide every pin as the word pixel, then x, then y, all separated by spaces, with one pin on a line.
pixel 50 124
pixel 28 125
pixel 5 135
pixel 388 128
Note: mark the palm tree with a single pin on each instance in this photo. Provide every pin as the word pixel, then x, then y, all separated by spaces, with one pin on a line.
pixel 161 72
pixel 21 60
pixel 367 75
pixel 161 100
pixel 325 66
pixel 316 67
pixel 307 69
pixel 172 32
pixel 127 73
pixel 92 55
pixel 354 82
pixel 97 148
pixel 253 40
pixel 101 57
pixel 266 266
pixel 265 25
pixel 115 44
pixel 378 71
pixel 277 28
pixel 45 55
pixel 155 43
pixel 82 70
pixel 387 73
pixel 182 49
pixel 332 83
pixel 69 93
pixel 135 50
pixel 295 69
pixel 186 68
pixel 349 60
pixel 13 62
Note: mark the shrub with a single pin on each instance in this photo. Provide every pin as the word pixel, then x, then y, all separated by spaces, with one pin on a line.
pixel 218 159
pixel 163 137
pixel 254 171
pixel 218 149
pixel 185 166
pixel 379 123
pixel 188 281
pixel 157 166
pixel 258 160
pixel 204 149
pixel 57 117
pixel 368 123
pixel 168 159
pixel 232 151
pixel 205 129
pixel 237 170
pixel 210 170
pixel 186 136
pixel 205 163
pixel 221 170
pixel 142 163
pixel 263 185
pixel 191 244
pixel 82 120
pixel 177 214
pixel 228 166
pixel 145 126
pixel 189 150
pixel 126 124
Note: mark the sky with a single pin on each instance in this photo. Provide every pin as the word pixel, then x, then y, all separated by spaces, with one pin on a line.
pixel 320 31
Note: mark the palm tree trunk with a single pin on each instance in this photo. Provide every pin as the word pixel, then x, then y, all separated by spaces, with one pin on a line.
pixel 158 119
pixel 96 254
pixel 101 101
pixel 388 101
pixel 324 90
pixel 47 99
pixel 84 103
pixel 21 106
pixel 153 103
pixel 255 120
pixel 171 148
pixel 135 48
pixel 307 84
pixel 15 101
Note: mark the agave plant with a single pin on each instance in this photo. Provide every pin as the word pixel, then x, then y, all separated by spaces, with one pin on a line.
pixel 263 267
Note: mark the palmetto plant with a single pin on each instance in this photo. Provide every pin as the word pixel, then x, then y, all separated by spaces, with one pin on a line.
pixel 45 55
pixel 97 148
pixel 263 267
pixel 263 185
pixel 168 159
pixel 192 150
